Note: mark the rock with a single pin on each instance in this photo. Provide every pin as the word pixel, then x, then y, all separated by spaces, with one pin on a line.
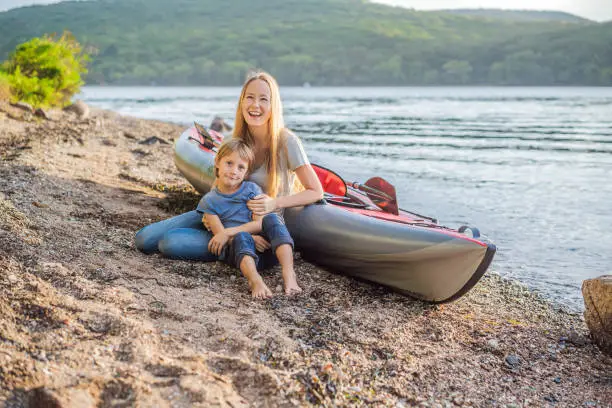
pixel 492 344
pixel 576 339
pixel 219 125
pixel 153 139
pixel 41 114
pixel 512 361
pixel 63 398
pixel 597 295
pixel 44 398
pixel 79 108
pixel 552 398
pixel 23 106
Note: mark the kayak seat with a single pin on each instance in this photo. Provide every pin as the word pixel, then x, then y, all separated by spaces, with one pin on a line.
pixel 331 182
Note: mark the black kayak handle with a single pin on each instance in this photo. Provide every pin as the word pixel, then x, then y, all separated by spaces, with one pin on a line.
pixel 475 231
pixel 205 143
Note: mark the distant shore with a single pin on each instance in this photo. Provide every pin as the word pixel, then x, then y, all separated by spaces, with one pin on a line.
pixel 85 317
pixel 346 86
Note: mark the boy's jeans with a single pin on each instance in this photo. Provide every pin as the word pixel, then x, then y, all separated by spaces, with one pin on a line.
pixel 273 229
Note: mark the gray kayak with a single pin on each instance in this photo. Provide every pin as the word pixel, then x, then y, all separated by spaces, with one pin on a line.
pixel 409 253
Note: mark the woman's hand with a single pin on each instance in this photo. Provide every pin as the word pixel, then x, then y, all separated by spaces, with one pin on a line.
pixel 260 243
pixel 216 243
pixel 206 224
pixel 262 204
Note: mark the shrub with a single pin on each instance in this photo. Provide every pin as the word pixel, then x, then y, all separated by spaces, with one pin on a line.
pixel 47 71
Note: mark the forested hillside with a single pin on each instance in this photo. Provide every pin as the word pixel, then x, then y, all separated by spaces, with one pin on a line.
pixel 322 42
pixel 520 15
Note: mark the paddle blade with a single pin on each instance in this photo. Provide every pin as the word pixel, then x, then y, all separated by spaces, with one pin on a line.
pixel 388 201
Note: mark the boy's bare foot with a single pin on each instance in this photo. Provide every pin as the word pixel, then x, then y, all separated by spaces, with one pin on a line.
pixel 291 286
pixel 259 290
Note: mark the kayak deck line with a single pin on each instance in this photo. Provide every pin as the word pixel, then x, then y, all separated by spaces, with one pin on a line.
pixel 413 222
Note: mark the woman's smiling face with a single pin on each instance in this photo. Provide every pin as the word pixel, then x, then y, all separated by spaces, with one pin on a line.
pixel 256 106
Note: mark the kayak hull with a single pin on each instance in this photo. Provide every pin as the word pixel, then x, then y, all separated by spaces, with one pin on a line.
pixel 417 258
pixel 195 163
pixel 425 263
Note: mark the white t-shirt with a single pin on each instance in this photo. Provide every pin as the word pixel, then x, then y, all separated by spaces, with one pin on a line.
pixel 296 157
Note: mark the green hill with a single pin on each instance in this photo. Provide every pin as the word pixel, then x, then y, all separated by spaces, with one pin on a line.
pixel 519 15
pixel 323 42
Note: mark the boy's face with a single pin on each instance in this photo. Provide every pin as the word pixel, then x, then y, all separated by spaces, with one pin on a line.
pixel 232 170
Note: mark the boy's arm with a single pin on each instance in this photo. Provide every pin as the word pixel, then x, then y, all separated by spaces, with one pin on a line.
pixel 214 223
pixel 220 235
pixel 216 227
pixel 252 227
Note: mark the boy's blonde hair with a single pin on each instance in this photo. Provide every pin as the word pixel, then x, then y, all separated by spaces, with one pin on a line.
pixel 231 146
pixel 276 124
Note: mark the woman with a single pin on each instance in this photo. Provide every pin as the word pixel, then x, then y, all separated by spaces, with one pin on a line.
pixel 280 161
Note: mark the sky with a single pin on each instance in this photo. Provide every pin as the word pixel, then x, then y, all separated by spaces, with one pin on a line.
pixel 598 10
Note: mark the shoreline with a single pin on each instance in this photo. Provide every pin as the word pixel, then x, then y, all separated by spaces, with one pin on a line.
pixel 556 277
pixel 86 317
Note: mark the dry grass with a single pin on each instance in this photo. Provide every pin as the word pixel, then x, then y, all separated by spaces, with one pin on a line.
pixel 5 89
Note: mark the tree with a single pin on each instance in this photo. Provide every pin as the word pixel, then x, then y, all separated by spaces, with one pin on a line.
pixel 457 72
pixel 46 71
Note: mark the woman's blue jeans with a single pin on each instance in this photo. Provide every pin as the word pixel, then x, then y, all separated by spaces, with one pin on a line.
pixel 184 237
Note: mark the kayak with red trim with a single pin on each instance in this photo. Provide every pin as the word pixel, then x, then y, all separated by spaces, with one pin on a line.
pixel 350 233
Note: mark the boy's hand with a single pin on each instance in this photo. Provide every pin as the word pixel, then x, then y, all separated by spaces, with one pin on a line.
pixel 261 244
pixel 262 204
pixel 216 243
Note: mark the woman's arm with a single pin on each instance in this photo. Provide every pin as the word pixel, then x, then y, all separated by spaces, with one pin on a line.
pixel 313 191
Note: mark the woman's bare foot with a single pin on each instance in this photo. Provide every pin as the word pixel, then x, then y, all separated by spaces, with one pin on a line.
pixel 291 286
pixel 259 290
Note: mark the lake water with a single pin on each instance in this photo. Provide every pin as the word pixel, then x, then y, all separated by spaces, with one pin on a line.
pixel 530 167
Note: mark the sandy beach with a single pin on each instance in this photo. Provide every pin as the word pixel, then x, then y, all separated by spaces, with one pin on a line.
pixel 88 321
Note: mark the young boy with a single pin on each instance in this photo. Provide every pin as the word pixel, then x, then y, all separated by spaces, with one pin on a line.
pixel 230 220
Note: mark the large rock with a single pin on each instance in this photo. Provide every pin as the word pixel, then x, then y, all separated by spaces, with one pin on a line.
pixel 63 398
pixel 219 125
pixel 597 295
pixel 79 108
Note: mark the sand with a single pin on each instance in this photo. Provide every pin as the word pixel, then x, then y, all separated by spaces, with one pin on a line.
pixel 86 320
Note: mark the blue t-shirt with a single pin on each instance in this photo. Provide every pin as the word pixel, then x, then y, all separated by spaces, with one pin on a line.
pixel 230 208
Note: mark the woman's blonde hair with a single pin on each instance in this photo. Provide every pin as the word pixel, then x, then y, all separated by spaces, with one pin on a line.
pixel 276 124
pixel 231 146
